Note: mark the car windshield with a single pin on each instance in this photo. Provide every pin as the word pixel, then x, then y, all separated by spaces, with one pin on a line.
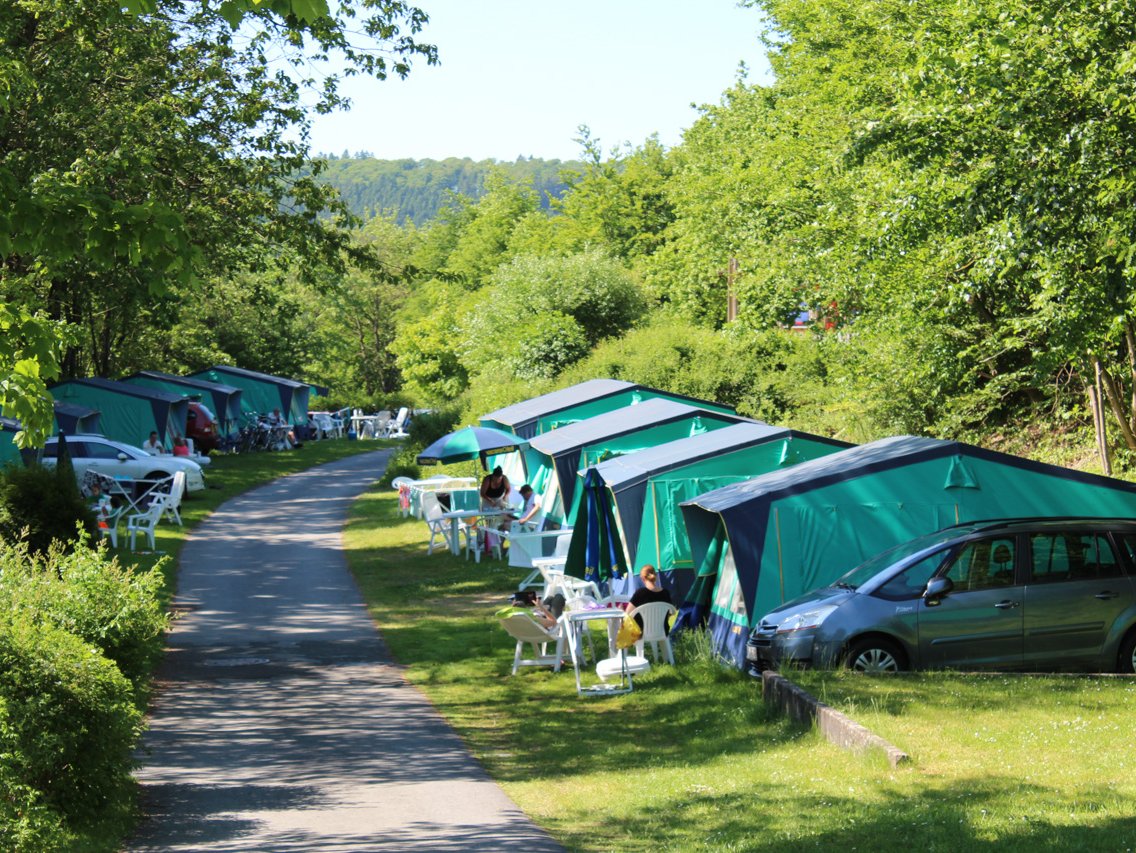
pixel 206 410
pixel 874 565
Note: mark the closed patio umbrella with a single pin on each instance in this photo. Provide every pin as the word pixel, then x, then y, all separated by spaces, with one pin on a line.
pixel 597 548
pixel 470 443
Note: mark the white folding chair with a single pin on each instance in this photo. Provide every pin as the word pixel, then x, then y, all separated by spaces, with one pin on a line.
pixel 176 491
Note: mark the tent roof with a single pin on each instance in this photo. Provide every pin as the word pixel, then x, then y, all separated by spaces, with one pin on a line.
pixel 73 410
pixel 9 424
pixel 201 384
pixel 527 411
pixel 882 455
pixel 252 374
pixel 627 419
pixel 126 388
pixel 621 472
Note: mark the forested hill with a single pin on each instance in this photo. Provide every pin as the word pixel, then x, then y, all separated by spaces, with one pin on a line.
pixel 417 189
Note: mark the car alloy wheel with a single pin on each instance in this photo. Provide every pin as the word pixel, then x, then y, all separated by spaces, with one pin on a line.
pixel 873 656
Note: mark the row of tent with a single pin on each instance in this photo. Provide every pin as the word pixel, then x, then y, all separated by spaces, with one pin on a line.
pixel 129 409
pixel 741 516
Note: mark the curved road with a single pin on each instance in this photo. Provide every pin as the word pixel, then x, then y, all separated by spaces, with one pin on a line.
pixel 279 721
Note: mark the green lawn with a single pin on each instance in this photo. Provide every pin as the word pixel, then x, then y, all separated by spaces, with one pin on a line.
pixel 692 760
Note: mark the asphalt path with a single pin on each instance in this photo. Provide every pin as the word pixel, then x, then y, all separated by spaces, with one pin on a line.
pixel 280 722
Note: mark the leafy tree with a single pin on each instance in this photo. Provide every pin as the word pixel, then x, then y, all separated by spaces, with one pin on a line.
pixel 138 155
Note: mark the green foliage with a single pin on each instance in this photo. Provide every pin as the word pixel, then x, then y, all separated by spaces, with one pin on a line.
pixel 67 726
pixel 428 352
pixel 86 592
pixel 589 288
pixel 552 342
pixel 37 504
pixel 416 190
pixel 401 464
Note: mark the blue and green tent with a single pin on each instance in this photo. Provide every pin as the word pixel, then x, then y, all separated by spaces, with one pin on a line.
pixel 647 488
pixel 767 540
pixel 224 400
pixel 580 402
pixel 553 458
pixel 129 413
pixel 261 392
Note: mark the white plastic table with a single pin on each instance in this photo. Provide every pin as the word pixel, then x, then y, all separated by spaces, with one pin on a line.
pixel 456 516
pixel 573 623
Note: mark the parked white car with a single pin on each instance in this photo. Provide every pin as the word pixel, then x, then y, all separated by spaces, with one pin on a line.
pixel 98 453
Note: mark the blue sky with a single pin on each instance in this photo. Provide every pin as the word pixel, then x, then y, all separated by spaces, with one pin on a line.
pixel 518 77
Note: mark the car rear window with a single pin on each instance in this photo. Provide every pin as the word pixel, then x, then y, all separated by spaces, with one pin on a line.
pixel 1071 555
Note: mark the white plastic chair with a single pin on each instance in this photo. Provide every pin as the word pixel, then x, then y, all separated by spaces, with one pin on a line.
pixel 395 427
pixel 402 486
pixel 145 522
pixel 654 615
pixel 440 527
pixel 173 496
pixel 524 629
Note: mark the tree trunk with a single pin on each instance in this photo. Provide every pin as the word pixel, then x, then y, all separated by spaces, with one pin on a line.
pixel 1130 340
pixel 1117 405
pixel 1095 403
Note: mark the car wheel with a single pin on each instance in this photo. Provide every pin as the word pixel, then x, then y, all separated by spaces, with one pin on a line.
pixel 874 655
pixel 1127 660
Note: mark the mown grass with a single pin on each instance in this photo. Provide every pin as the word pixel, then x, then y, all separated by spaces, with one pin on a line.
pixel 692 760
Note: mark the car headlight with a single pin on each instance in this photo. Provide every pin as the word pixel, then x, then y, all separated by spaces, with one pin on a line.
pixel 808 619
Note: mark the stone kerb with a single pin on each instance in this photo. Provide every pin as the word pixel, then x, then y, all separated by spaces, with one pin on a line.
pixel 802 707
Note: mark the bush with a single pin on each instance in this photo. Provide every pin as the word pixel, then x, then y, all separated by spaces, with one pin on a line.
pixel 401 464
pixel 47 506
pixel 86 592
pixel 68 724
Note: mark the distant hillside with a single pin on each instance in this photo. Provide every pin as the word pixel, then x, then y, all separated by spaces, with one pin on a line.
pixel 417 189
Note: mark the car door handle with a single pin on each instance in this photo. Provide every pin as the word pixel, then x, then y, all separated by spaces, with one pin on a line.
pixel 1106 595
pixel 1006 605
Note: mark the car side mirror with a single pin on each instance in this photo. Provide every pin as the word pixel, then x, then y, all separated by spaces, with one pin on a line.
pixel 122 457
pixel 937 588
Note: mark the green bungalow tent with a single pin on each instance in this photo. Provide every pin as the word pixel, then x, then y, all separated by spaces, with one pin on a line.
pixel 72 418
pixel 770 539
pixel 129 412
pixel 261 393
pixel 647 487
pixel 223 400
pixel 553 458
pixel 580 402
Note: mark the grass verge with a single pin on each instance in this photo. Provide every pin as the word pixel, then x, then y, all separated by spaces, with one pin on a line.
pixel 693 761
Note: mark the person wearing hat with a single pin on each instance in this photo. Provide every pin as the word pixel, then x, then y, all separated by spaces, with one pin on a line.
pixel 495 489
pixel 651 590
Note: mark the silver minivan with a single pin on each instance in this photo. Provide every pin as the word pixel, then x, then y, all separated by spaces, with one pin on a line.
pixel 1042 594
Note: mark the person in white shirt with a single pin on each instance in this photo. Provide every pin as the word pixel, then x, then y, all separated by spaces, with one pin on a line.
pixel 531 514
pixel 153 445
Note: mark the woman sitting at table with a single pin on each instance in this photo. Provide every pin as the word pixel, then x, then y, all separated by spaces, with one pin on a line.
pixel 651 590
pixel 494 490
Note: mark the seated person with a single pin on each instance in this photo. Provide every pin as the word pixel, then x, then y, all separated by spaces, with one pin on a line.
pixel 153 445
pixel 494 490
pixel 277 421
pixel 532 514
pixel 180 447
pixel 651 590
